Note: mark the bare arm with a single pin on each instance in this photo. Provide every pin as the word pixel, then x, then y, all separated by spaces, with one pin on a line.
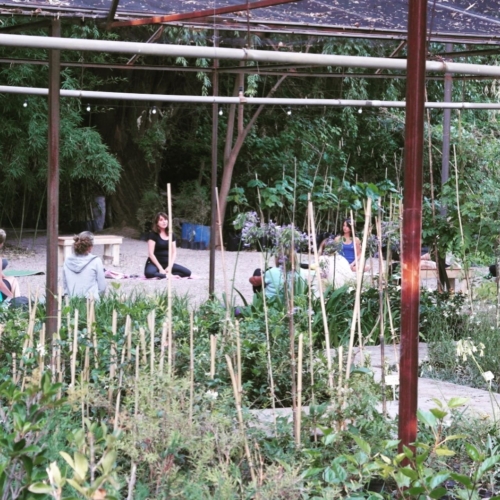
pixel 3 286
pixel 152 257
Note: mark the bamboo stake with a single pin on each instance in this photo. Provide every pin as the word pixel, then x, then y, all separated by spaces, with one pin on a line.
pixel 309 316
pixel 222 254
pixel 119 393
pixel 14 368
pixel 358 287
pixel 136 385
pixel 55 360
pixel 466 266
pixel 268 343
pixel 41 352
pixel 213 347
pixel 299 392
pixel 94 333
pixel 322 301
pixel 113 354
pixel 381 310
pixel 152 353
pixel 358 270
pixel 142 337
pixel 163 344
pixel 239 412
pixel 169 281
pixel 238 356
pixel 191 367
pixel 128 336
pixel 340 353
pixel 75 350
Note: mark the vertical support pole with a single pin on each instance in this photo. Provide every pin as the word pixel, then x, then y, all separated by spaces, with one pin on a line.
pixel 445 165
pixel 213 187
pixel 412 220
pixel 53 184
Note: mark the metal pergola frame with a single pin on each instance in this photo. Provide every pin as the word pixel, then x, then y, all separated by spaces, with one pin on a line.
pixel 416 65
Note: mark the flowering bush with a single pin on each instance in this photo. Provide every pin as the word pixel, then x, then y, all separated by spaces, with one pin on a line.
pixel 281 238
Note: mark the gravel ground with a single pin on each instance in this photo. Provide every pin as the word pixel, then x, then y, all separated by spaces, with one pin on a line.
pixel 31 255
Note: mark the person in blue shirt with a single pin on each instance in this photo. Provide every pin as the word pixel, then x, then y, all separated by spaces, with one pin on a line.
pixel 350 247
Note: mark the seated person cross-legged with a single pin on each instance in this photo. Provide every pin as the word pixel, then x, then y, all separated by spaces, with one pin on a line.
pixel 160 250
pixel 9 287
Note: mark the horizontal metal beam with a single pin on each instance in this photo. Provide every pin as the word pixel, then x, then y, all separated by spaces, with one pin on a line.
pixel 238 54
pixel 185 16
pixel 123 96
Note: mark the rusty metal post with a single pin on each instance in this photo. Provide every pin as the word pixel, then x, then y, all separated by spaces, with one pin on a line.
pixel 215 128
pixel 53 185
pixel 412 220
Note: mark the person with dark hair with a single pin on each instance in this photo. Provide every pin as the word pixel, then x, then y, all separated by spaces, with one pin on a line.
pixel 83 272
pixel 349 246
pixel 8 286
pixel 158 264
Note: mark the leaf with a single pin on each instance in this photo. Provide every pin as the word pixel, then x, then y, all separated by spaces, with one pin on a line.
pixel 456 402
pixel 81 465
pixel 473 452
pixel 40 488
pixel 427 418
pixel 444 452
pixel 438 492
pixel 68 459
pixel 462 479
pixel 108 461
pixel 364 446
pixel 439 414
pixel 438 479
pixel 486 466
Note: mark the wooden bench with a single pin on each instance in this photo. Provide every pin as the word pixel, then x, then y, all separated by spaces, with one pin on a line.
pixel 454 275
pixel 111 247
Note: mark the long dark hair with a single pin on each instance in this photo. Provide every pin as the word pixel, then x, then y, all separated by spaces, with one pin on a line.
pixel 156 229
pixel 349 225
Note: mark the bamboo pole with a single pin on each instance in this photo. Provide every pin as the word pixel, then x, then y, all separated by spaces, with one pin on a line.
pixel 151 326
pixel 14 368
pixel 142 337
pixel 237 397
pixel 163 342
pixel 322 300
pixel 191 367
pixel 119 392
pixel 309 315
pixel 41 352
pixel 74 351
pixel 169 281
pixel 112 354
pixel 358 287
pixel 136 384
pixel 222 254
pixel 213 348
pixel 238 355
pixel 128 336
pixel 94 333
pixel 268 341
pixel 381 309
pixel 299 392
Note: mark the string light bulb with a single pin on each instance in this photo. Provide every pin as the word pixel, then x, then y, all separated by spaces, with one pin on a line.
pixel 25 104
pixel 360 110
pixel 221 112
pixel 88 108
pixel 289 112
pixel 153 110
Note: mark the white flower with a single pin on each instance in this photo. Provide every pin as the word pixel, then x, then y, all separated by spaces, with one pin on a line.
pixel 212 395
pixel 41 350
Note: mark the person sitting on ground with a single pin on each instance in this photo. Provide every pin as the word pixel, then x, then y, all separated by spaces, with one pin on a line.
pixel 83 272
pixel 349 246
pixel 9 288
pixel 158 265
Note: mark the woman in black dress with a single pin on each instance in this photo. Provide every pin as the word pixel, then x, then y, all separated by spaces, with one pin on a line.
pixel 158 265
